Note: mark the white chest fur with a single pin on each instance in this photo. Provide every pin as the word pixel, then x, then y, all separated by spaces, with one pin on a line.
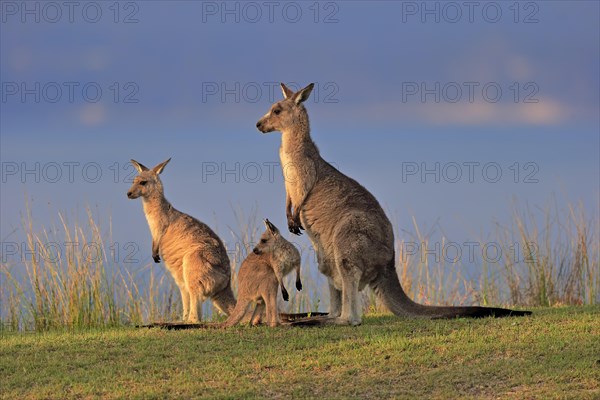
pixel 154 222
pixel 291 175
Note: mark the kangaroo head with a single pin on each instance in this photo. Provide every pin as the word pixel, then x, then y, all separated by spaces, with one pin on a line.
pixel 276 246
pixel 268 240
pixel 147 183
pixel 286 113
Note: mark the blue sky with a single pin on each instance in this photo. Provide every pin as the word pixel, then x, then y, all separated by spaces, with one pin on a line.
pixel 189 80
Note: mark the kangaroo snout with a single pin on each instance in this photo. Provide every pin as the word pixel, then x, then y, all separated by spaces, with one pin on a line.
pixel 130 195
pixel 261 126
pixel 256 251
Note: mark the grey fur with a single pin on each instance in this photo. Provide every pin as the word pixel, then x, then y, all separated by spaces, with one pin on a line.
pixel 351 234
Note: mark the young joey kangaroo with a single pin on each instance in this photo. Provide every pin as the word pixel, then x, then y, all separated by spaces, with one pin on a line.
pixel 191 251
pixel 351 234
pixel 261 274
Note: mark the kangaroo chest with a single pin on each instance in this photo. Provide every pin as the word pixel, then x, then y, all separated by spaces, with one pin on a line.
pixel 154 227
pixel 155 224
pixel 293 176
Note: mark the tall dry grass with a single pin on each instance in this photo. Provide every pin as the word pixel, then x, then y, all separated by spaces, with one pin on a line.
pixel 557 262
pixel 69 277
pixel 548 257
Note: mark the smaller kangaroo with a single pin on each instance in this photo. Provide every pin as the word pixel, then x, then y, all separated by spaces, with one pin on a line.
pixel 261 274
pixel 191 251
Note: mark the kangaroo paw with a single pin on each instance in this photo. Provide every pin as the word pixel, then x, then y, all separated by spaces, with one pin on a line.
pixel 296 229
pixel 295 226
pixel 285 294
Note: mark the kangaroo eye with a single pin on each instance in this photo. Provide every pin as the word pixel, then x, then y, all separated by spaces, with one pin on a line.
pixel 263 240
pixel 143 183
pixel 277 111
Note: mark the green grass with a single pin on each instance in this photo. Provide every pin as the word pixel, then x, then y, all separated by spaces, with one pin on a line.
pixel 553 354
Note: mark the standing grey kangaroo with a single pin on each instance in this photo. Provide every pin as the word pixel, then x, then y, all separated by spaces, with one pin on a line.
pixel 351 234
pixel 261 274
pixel 191 251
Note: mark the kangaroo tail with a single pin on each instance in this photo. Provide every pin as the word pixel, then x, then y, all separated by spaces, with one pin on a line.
pixel 389 291
pixel 237 314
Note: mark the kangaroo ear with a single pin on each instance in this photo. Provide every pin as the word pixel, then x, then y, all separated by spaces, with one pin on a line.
pixel 287 92
pixel 272 228
pixel 303 94
pixel 139 166
pixel 159 168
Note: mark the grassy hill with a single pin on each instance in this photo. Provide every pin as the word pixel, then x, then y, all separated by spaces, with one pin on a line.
pixel 553 354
